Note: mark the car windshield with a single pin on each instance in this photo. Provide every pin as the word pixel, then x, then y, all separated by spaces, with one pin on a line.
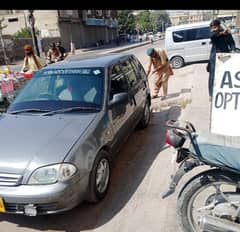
pixel 56 89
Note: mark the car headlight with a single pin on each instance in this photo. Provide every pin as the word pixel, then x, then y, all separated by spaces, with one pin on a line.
pixel 53 173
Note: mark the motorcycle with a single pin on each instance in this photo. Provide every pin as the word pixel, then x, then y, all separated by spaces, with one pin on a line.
pixel 210 200
pixel 49 61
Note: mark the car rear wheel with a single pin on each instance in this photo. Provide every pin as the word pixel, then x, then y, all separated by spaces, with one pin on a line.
pixel 99 177
pixel 145 117
pixel 177 62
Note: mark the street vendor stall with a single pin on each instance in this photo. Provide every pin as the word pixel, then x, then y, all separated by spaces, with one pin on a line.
pixel 10 85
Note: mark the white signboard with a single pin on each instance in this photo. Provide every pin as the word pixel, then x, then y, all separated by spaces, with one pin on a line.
pixel 225 112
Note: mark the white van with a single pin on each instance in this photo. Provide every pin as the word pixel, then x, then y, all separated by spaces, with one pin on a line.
pixel 188 43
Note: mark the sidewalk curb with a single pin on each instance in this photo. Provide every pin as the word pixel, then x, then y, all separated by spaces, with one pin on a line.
pixel 125 48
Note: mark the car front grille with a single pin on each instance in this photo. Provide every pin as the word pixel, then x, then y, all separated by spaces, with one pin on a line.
pixel 41 208
pixel 10 179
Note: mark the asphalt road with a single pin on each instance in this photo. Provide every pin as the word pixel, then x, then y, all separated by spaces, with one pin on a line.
pixel 141 170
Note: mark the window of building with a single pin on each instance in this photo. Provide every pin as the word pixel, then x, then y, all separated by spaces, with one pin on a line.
pixel 10 20
pixel 69 12
pixel 99 13
pixel 89 12
pixel 108 13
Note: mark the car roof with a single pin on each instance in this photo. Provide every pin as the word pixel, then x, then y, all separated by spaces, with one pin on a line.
pixel 91 61
pixel 190 25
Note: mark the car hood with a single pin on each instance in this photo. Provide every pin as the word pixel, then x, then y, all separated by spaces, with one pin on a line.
pixel 30 141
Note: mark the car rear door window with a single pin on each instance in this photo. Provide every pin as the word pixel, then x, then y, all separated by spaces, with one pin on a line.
pixel 137 66
pixel 118 82
pixel 129 72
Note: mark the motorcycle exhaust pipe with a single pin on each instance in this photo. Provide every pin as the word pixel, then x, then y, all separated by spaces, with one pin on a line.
pixel 209 223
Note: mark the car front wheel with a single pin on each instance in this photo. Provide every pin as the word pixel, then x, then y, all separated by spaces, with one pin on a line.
pixel 99 177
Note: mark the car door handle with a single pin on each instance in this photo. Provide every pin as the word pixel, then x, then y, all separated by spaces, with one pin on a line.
pixel 203 43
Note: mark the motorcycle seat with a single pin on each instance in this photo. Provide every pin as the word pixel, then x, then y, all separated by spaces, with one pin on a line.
pixel 219 149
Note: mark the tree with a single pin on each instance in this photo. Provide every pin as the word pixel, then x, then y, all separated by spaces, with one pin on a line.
pixel 126 21
pixel 24 33
pixel 159 20
pixel 143 23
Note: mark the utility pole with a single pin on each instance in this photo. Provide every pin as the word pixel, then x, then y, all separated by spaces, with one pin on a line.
pixel 31 21
pixel 2 41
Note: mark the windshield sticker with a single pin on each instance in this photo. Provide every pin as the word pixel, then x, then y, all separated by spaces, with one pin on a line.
pixel 67 71
pixel 96 72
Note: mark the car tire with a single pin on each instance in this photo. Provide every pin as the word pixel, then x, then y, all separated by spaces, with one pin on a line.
pixel 145 117
pixel 177 62
pixel 99 177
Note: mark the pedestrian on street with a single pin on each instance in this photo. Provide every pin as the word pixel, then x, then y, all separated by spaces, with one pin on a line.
pixel 32 63
pixel 222 41
pixel 162 70
pixel 63 53
pixel 53 54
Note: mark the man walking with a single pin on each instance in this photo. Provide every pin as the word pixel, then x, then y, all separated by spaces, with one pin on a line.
pixel 162 70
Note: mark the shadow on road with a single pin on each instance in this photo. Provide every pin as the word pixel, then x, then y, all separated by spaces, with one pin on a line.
pixel 130 167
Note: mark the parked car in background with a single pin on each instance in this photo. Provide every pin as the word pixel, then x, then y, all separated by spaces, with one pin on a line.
pixel 124 37
pixel 191 42
pixel 188 43
pixel 66 125
pixel 159 35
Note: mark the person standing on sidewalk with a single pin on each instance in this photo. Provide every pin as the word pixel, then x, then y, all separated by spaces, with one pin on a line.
pixel 162 70
pixel 222 41
pixel 32 63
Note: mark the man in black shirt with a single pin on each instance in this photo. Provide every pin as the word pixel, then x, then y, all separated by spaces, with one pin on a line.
pixel 62 50
pixel 222 41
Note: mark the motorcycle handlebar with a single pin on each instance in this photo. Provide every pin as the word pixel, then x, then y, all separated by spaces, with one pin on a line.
pixel 189 128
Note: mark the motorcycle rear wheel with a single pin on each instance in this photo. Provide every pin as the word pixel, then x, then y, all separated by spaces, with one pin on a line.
pixel 196 193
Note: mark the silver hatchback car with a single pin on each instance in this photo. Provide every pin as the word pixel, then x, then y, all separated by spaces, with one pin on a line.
pixel 59 134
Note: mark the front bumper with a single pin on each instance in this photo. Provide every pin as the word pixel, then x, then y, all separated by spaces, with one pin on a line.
pixel 44 199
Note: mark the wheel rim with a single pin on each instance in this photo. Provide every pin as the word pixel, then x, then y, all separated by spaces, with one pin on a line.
pixel 192 214
pixel 177 62
pixel 102 175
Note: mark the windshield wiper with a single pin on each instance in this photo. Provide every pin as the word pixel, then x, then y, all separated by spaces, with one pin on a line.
pixel 27 110
pixel 79 108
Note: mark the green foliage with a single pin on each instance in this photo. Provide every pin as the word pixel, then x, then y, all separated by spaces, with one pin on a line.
pixel 159 20
pixel 143 21
pixel 126 21
pixel 24 33
pixel 146 20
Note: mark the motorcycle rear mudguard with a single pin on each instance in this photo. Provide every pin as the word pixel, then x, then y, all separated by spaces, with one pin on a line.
pixel 185 166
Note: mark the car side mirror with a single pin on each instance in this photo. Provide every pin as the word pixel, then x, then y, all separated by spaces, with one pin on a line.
pixel 118 99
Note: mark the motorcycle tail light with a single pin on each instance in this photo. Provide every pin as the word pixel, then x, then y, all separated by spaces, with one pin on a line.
pixel 174 139
pixel 168 139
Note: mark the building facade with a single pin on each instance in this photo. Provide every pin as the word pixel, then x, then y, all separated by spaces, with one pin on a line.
pixel 82 27
pixel 190 17
pixel 87 27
